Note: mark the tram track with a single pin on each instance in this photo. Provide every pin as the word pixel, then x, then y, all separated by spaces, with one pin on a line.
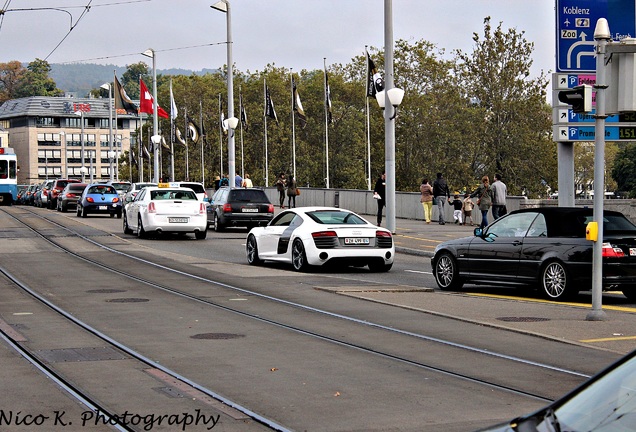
pixel 370 331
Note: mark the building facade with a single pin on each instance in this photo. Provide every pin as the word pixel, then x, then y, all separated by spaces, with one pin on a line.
pixel 46 133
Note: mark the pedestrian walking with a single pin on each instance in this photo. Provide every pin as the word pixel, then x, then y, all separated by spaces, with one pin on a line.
pixel 484 199
pixel 291 192
pixel 441 194
pixel 217 183
pixel 468 209
pixel 426 198
pixel 457 204
pixel 280 187
pixel 379 193
pixel 238 180
pixel 247 181
pixel 499 192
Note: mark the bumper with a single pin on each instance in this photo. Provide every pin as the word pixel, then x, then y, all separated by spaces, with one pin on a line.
pixel 351 256
pixel 161 223
pixel 102 208
pixel 245 219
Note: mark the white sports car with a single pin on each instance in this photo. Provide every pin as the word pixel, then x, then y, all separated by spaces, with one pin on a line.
pixel 164 209
pixel 315 236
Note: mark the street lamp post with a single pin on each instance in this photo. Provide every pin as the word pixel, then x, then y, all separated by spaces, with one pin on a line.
pixel 155 120
pixel 392 96
pixel 112 157
pixel 110 123
pixel 224 6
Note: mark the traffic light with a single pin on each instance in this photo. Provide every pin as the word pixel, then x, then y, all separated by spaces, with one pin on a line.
pixel 580 97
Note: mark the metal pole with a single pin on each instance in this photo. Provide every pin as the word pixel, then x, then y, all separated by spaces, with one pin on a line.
pixel 389 124
pixel 602 37
pixel 231 158
pixel 326 124
pixel 110 129
pixel 83 168
pixel 155 119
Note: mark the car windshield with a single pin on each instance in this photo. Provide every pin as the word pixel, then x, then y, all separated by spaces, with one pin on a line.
pixel 76 188
pixel 102 189
pixel 336 217
pixel 171 194
pixel 61 184
pixel 613 223
pixel 143 185
pixel 196 187
pixel 608 404
pixel 248 195
pixel 121 186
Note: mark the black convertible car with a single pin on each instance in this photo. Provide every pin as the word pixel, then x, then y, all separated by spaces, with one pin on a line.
pixel 541 246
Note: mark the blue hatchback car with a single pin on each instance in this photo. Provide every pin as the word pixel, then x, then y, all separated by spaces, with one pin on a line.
pixel 99 198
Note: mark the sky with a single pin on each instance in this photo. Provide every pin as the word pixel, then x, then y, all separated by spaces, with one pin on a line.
pixel 296 34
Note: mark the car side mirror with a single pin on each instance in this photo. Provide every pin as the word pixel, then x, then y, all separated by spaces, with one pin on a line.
pixel 478 232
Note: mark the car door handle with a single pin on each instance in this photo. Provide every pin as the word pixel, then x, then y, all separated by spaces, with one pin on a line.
pixel 517 243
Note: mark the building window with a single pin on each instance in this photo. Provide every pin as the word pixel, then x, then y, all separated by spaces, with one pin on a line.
pixel 45 121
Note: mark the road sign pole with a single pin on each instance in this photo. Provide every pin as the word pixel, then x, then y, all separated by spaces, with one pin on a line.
pixel 602 37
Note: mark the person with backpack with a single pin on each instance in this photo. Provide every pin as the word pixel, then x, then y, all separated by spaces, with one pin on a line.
pixel 441 194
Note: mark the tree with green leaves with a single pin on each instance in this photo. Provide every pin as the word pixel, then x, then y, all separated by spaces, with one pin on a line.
pixel 515 139
pixel 36 81
pixel 624 170
pixel 11 74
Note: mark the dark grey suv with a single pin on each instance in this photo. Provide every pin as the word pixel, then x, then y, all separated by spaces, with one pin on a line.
pixel 239 207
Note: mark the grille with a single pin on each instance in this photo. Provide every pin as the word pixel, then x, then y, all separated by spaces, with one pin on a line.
pixel 326 242
pixel 384 242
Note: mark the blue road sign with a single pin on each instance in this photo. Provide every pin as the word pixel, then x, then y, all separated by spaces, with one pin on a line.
pixel 588 133
pixel 575 24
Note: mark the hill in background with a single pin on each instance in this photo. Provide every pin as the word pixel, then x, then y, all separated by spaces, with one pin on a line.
pixel 81 78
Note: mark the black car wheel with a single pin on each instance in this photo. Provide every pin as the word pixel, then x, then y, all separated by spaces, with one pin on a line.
pixel 555 281
pixel 78 211
pixel 299 257
pixel 141 232
pixel 217 225
pixel 127 229
pixel 447 273
pixel 84 212
pixel 201 235
pixel 63 207
pixel 252 251
pixel 630 293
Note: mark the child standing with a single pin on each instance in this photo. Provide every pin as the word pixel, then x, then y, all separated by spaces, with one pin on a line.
pixel 457 204
pixel 468 209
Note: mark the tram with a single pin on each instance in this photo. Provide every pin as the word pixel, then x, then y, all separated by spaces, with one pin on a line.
pixel 8 176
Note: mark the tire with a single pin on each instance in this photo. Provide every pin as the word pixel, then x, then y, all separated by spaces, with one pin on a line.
pixel 251 251
pixel 217 225
pixel 84 212
pixel 64 208
pixel 201 235
pixel 112 215
pixel 630 293
pixel 379 267
pixel 79 210
pixel 555 282
pixel 119 215
pixel 141 232
pixel 299 257
pixel 127 229
pixel 446 272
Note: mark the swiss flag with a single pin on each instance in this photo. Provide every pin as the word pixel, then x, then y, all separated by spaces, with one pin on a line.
pixel 146 100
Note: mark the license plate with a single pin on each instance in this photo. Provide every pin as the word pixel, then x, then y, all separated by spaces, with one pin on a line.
pixel 103 207
pixel 177 220
pixel 632 251
pixel 356 241
pixel 249 210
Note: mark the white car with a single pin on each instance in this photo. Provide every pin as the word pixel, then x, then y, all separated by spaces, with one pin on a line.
pixel 165 209
pixel 315 236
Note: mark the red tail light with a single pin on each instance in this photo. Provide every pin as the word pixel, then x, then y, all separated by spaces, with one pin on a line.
pixel 324 234
pixel 270 208
pixel 116 199
pixel 70 195
pixel 152 208
pixel 227 208
pixel 383 234
pixel 610 251
pixel 202 209
pixel 90 199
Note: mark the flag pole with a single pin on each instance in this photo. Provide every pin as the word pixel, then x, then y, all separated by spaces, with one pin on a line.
pixel 265 130
pixel 291 82
pixel 173 116
pixel 326 124
pixel 202 141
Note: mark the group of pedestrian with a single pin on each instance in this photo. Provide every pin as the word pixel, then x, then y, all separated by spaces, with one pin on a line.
pixel 239 181
pixel 286 186
pixel 488 196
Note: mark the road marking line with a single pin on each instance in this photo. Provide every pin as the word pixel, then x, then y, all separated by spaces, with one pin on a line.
pixel 581 305
pixel 416 271
pixel 618 338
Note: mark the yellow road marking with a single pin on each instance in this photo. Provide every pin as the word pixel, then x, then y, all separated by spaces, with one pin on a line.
pixel 617 338
pixel 581 305
pixel 420 239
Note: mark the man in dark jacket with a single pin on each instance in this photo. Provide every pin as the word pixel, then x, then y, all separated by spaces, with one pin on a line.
pixel 379 193
pixel 441 194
